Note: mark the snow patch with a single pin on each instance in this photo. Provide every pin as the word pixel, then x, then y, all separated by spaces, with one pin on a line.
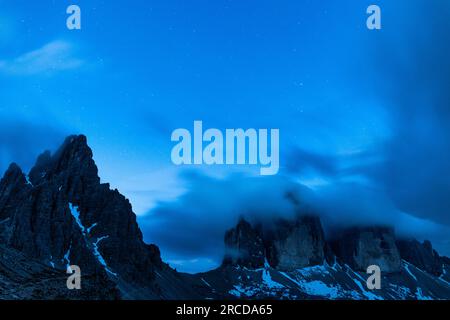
pixel 314 270
pixel 52 264
pixel 100 257
pixel 4 220
pixel 76 214
pixel 421 296
pixel 406 266
pixel 239 291
pixel 67 259
pixel 28 180
pixel 402 292
pixel 91 227
pixel 319 288
pixel 444 273
pixel 267 280
pixel 205 282
pixel 315 287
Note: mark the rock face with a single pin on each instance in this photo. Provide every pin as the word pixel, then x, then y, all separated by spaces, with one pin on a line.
pixel 24 278
pixel 286 246
pixel 362 247
pixel 64 215
pixel 296 244
pixel 421 255
pixel 12 190
pixel 296 252
pixel 445 261
pixel 244 246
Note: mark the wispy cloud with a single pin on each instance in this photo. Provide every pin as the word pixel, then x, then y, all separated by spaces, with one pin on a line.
pixel 53 57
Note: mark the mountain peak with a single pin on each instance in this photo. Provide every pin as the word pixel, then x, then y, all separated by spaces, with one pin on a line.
pixel 66 216
pixel 73 158
pixel 11 186
pixel 75 140
pixel 13 169
pixel 74 147
pixel 13 175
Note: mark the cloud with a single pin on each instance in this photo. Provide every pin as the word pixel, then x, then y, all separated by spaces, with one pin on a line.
pixel 53 57
pixel 301 161
pixel 193 226
pixel 415 67
pixel 190 229
pixel 402 181
pixel 22 141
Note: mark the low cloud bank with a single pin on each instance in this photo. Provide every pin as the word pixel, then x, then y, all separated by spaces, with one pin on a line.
pixel 192 227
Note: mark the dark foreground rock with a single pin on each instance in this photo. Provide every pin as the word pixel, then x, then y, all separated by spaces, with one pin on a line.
pixel 22 278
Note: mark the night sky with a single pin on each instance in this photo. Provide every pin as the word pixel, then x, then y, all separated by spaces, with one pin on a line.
pixel 364 116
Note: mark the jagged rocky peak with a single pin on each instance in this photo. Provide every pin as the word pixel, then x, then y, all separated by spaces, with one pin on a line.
pixel 244 246
pixel 65 216
pixel 73 157
pixel 12 186
pixel 12 177
pixel 41 166
pixel 294 244
pixel 75 154
pixel 361 247
pixel 422 255
pixel 13 173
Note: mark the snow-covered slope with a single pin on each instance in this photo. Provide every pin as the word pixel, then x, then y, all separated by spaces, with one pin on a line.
pixel 323 282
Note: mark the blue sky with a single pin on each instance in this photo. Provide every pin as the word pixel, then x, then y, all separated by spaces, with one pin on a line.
pixel 349 102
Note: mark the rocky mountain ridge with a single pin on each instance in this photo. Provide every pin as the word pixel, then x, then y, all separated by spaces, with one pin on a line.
pixel 299 243
pixel 60 214
pixel 261 265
